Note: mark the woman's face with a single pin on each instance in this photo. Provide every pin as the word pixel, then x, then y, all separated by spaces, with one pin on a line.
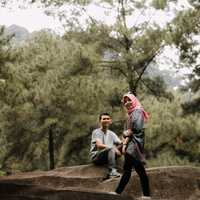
pixel 127 103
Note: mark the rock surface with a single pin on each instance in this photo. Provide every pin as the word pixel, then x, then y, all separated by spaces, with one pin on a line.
pixel 86 182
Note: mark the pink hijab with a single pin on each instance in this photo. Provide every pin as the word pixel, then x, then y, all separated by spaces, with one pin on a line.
pixel 135 104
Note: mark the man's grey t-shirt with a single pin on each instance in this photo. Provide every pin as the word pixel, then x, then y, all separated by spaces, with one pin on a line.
pixel 109 138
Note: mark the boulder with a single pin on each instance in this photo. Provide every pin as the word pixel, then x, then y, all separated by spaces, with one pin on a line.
pixel 88 182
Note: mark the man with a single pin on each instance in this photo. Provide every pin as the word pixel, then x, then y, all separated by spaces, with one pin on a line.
pixel 104 145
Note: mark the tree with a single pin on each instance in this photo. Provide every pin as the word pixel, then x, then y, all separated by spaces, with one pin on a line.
pixel 6 57
pixel 185 31
pixel 57 86
pixel 134 47
pixel 50 99
pixel 130 50
pixel 37 97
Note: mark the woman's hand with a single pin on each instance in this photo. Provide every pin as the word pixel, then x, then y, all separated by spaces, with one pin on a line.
pixel 124 149
pixel 118 152
pixel 127 133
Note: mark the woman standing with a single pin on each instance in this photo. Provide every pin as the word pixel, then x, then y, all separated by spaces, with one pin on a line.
pixel 133 145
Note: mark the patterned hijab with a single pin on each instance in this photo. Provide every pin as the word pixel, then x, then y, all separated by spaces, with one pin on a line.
pixel 135 104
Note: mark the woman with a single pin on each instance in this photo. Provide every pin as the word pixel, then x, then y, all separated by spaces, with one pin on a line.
pixel 133 145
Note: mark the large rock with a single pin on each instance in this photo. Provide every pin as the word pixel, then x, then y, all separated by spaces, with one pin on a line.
pixel 88 182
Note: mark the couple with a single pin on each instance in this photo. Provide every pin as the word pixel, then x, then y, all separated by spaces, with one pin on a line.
pixel 104 145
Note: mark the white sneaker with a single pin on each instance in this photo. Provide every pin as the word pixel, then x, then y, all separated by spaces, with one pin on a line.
pixel 146 198
pixel 114 174
pixel 115 193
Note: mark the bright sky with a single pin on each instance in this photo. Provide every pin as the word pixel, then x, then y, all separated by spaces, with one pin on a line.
pixel 32 19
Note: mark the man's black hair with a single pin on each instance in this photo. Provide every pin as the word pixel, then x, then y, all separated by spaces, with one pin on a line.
pixel 105 113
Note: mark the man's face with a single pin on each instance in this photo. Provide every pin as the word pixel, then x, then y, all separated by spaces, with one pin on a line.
pixel 105 120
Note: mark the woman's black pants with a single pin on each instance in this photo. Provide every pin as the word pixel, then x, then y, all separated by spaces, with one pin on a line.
pixel 129 163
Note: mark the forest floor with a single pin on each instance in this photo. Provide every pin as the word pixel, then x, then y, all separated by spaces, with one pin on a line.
pixel 87 182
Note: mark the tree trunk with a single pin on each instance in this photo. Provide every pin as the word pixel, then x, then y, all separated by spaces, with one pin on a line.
pixel 51 149
pixel 132 87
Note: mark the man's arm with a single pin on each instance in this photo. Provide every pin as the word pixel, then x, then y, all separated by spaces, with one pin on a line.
pixel 100 145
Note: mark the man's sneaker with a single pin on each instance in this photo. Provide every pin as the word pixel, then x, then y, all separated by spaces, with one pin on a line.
pixel 114 174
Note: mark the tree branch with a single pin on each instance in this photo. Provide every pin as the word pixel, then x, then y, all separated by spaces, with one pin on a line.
pixel 113 67
pixel 146 64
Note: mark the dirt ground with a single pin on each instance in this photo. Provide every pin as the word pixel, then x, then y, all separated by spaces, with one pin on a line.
pixel 87 182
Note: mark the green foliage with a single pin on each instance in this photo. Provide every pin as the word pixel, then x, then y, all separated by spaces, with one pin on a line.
pixel 5 53
pixel 159 4
pixel 49 84
pixel 184 27
pixel 127 51
pixel 195 3
pixel 158 88
pixel 171 134
pixel 183 32
pixel 192 106
pixel 168 159
pixel 42 90
pixel 63 83
pixel 2 173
